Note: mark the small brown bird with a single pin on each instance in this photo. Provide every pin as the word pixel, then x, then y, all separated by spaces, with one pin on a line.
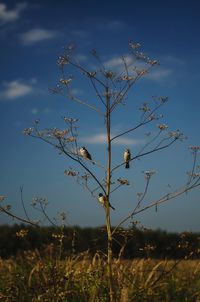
pixel 102 200
pixel 127 157
pixel 85 154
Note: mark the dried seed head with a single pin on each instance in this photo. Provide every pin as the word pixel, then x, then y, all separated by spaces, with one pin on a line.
pixel 162 127
pixel 2 197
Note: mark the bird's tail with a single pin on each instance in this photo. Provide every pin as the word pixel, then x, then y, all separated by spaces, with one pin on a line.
pixel 127 165
pixel 111 206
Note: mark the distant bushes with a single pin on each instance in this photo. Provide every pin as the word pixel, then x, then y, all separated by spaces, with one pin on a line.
pixel 128 243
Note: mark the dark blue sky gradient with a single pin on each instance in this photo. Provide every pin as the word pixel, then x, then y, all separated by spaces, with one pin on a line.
pixel 168 31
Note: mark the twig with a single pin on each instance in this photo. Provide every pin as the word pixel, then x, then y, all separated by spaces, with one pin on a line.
pixel 159 201
pixel 146 153
pixel 22 201
pixel 17 217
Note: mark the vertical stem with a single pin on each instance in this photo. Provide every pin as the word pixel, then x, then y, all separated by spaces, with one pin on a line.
pixel 107 208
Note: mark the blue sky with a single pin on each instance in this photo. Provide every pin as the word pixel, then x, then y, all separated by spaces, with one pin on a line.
pixel 32 35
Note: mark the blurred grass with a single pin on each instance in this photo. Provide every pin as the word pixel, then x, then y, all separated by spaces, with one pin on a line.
pixel 32 277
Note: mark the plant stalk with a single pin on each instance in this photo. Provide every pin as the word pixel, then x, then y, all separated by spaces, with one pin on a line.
pixel 107 208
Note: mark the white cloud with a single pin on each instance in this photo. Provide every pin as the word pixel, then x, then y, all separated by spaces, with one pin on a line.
pixel 100 138
pixel 36 35
pixel 77 91
pixel 34 111
pixel 172 60
pixel 15 89
pixel 113 25
pixel 80 33
pixel 159 74
pixel 11 15
pixel 33 81
pixel 117 64
pixel 124 141
pixel 94 139
pixel 81 58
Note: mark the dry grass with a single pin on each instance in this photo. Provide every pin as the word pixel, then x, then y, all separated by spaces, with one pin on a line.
pixel 30 277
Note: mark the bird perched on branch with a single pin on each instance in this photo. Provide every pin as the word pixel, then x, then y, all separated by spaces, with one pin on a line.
pixel 85 154
pixel 102 200
pixel 127 157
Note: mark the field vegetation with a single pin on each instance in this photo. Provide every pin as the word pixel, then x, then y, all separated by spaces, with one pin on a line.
pixel 30 277
pixel 58 271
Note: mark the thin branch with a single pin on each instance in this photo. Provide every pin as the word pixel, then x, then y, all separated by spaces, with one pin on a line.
pixel 143 195
pixel 73 135
pixel 62 148
pixel 122 94
pixel 17 217
pixel 161 141
pixel 71 96
pixel 193 168
pixel 78 66
pixel 45 214
pixel 117 187
pixel 98 164
pixel 78 161
pixel 127 87
pixel 164 273
pixel 23 205
pixel 142 123
pixel 75 99
pixel 146 153
pixel 125 65
pixel 150 142
pixel 130 130
pixel 83 181
pixel 96 90
pixel 159 201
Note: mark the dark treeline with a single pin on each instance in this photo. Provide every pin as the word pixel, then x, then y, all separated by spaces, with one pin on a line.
pixel 128 243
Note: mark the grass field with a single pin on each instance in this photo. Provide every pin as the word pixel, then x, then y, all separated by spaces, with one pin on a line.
pixel 32 277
